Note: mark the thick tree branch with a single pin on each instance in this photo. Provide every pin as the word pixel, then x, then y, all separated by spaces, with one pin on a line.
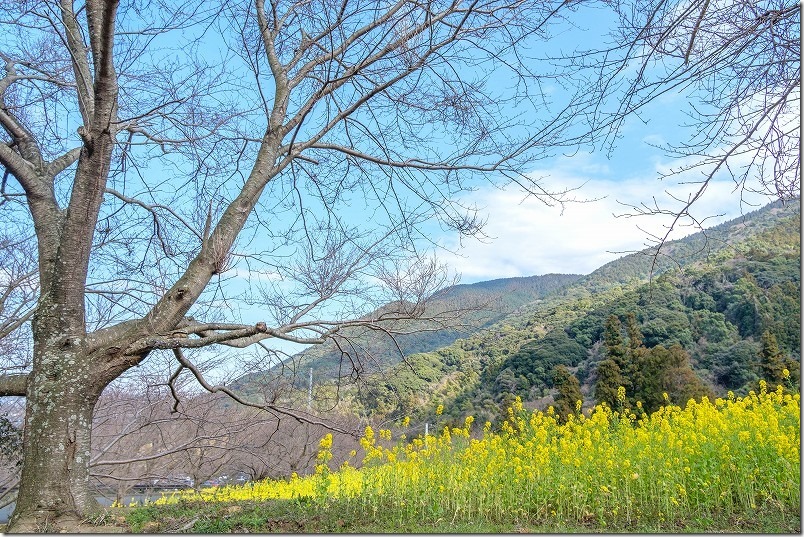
pixel 22 170
pixel 77 48
pixel 13 385
pixel 63 162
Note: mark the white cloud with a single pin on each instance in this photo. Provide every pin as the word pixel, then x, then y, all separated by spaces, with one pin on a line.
pixel 529 238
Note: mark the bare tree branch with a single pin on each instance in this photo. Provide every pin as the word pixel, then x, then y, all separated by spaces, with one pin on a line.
pixel 11 385
pixel 297 415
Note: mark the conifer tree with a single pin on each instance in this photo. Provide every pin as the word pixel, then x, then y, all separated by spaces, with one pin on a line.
pixel 679 380
pixel 663 370
pixel 634 334
pixel 569 392
pixel 637 370
pixel 613 341
pixel 609 378
pixel 647 374
pixel 771 360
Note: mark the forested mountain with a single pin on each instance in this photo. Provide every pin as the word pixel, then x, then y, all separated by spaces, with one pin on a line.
pixel 480 305
pixel 721 304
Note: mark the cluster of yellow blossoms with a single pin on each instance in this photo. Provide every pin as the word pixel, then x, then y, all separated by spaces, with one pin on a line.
pixel 730 455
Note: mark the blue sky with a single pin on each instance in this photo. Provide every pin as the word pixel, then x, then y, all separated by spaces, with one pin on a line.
pixel 528 238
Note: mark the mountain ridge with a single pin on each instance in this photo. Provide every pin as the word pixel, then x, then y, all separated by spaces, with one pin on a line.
pixel 442 376
pixel 434 367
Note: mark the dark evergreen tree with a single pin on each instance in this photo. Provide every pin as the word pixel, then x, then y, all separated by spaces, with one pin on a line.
pixel 646 377
pixel 613 341
pixel 634 334
pixel 634 355
pixel 662 370
pixel 679 381
pixel 569 392
pixel 609 378
pixel 647 374
pixel 771 361
pixel 734 366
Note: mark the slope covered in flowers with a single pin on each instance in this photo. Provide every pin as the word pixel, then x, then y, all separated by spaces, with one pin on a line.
pixel 618 467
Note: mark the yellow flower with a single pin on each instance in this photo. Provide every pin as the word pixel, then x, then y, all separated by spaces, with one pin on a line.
pixel 439 410
pixel 326 442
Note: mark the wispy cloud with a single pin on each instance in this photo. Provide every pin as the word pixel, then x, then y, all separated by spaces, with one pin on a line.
pixel 528 237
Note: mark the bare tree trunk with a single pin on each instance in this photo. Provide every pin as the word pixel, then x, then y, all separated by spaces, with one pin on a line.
pixel 54 487
pixel 62 390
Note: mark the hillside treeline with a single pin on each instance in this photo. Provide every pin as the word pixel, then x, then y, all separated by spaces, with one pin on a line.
pixel 715 325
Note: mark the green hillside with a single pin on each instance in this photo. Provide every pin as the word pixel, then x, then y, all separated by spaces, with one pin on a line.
pixel 484 303
pixel 699 322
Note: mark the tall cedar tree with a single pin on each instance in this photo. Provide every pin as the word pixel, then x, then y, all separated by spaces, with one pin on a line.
pixel 609 378
pixel 771 360
pixel 647 374
pixel 613 342
pixel 569 392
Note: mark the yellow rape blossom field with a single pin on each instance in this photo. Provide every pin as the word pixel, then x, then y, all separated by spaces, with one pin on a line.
pixel 732 461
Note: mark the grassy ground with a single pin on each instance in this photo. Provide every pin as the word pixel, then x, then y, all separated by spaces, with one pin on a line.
pixel 283 516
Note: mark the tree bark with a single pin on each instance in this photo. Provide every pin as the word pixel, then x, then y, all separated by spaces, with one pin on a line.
pixel 54 490
pixel 65 383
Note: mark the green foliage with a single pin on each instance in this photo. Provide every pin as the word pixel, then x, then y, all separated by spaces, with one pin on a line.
pixel 667 371
pixel 712 328
pixel 569 393
pixel 646 373
pixel 537 359
pixel 697 325
pixel 613 341
pixel 734 366
pixel 609 378
pixel 773 365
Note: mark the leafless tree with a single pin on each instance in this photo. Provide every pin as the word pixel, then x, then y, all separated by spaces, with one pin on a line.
pixel 738 64
pixel 18 296
pixel 169 156
pixel 150 440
